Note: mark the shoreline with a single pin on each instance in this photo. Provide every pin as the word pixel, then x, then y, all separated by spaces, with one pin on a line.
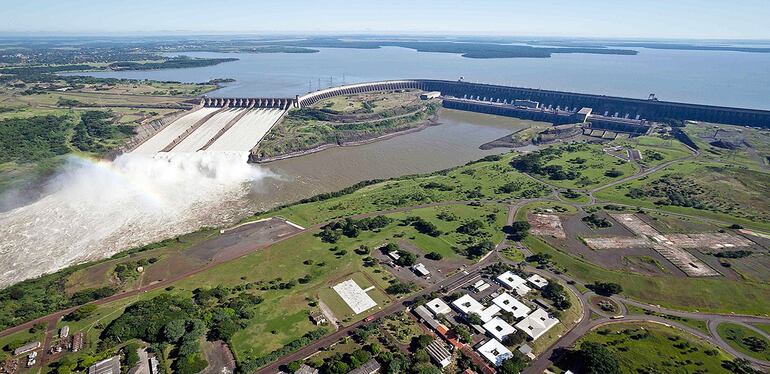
pixel 422 126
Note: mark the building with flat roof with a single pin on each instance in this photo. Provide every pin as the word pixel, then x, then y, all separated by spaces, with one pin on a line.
pixel 513 282
pixel 26 348
pixel 537 281
pixel 108 366
pixel 480 286
pixel 495 352
pixel 439 353
pixel 438 307
pixel 420 269
pixel 64 332
pixel 430 95
pixel 394 255
pixel 426 317
pixel 583 114
pixel 467 304
pixel 511 305
pixel 537 323
pixel 498 328
pixel 488 313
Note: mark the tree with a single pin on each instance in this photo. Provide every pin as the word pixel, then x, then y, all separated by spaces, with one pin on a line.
pixel 518 230
pixel 399 288
pixel 435 256
pixel 294 366
pixel 81 313
pixel 463 332
pixel 421 342
pixel 480 249
pixel 740 366
pixel 597 359
pixel 174 330
pixel 472 227
pixel 474 319
pixel 406 258
pixel 606 288
pixel 363 250
pixel 514 364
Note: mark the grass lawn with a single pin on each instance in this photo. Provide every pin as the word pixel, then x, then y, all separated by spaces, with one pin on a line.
pixel 341 309
pixel 656 150
pixel 703 294
pixel 595 163
pixel 739 338
pixel 541 206
pixel 654 348
pixel 763 326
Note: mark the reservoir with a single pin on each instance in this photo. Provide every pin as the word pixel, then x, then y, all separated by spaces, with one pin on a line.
pixel 703 77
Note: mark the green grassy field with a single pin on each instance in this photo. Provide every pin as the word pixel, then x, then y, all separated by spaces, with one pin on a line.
pixel 341 310
pixel 764 327
pixel 736 336
pixel 702 294
pixel 592 170
pixel 656 150
pixel 282 316
pixel 729 194
pixel 654 348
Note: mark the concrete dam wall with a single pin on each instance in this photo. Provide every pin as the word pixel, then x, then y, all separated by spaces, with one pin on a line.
pixel 609 106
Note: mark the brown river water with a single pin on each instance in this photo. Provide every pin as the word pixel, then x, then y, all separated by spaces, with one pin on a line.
pixel 455 141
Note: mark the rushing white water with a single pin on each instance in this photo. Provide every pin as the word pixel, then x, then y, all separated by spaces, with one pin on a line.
pixel 93 209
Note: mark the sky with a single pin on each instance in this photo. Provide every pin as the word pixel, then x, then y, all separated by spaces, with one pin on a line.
pixel 670 19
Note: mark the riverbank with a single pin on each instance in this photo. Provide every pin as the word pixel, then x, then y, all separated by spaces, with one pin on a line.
pixel 433 121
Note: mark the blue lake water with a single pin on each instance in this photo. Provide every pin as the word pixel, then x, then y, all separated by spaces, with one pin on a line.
pixel 704 77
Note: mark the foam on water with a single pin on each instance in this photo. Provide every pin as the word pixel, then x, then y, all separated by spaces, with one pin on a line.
pixel 93 209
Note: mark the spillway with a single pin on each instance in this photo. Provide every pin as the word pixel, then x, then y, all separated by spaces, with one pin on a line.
pixel 248 131
pixel 207 131
pixel 215 129
pixel 167 135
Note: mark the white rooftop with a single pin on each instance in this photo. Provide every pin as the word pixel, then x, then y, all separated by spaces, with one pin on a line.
pixel 467 304
pixel 498 328
pixel 513 282
pixel 356 298
pixel 495 352
pixel 438 306
pixel 488 313
pixel 509 304
pixel 537 323
pixel 537 281
pixel 421 269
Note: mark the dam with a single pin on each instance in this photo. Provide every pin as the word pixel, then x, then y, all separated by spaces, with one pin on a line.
pixel 226 125
pixel 239 124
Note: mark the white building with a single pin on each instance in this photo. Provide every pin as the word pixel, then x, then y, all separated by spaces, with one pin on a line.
pixel 467 304
pixel 438 306
pixel 495 352
pixel 537 281
pixel 420 269
pixel 513 282
pixel 480 286
pixel 488 313
pixel 394 255
pixel 509 304
pixel 537 323
pixel 498 328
